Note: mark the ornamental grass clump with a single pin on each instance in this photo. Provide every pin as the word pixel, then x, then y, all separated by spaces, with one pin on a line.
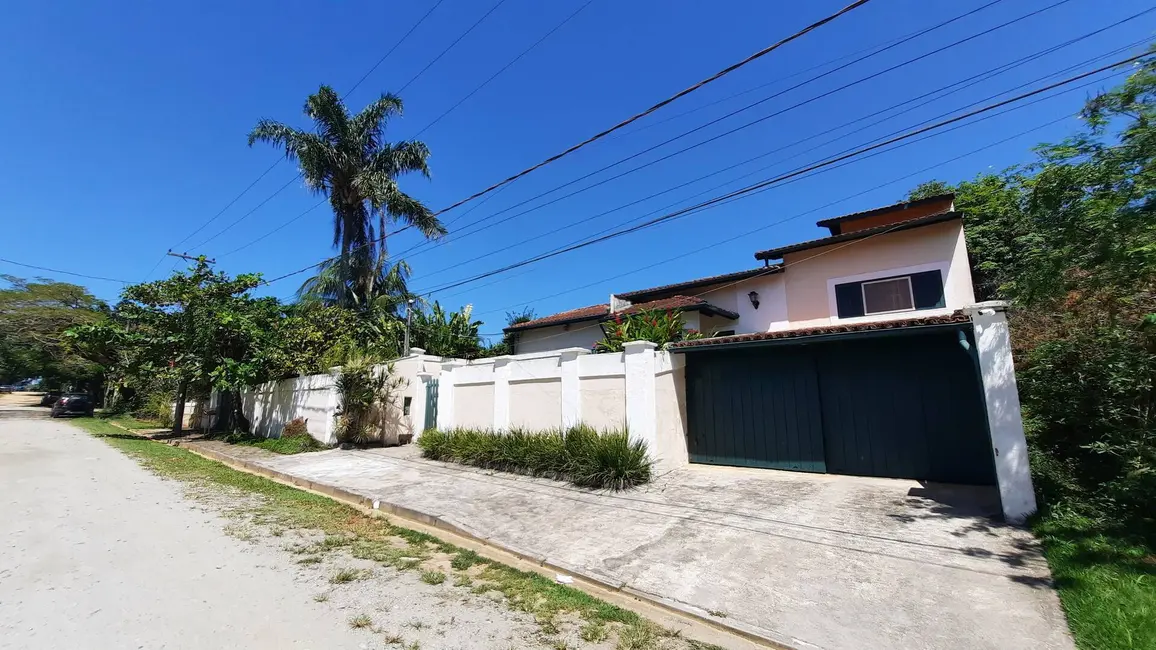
pixel 580 454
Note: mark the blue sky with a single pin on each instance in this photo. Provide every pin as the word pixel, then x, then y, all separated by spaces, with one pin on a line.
pixel 125 124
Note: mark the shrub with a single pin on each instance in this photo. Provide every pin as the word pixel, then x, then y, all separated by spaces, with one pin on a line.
pixel 659 327
pixel 359 388
pixel 580 454
pixel 295 428
pixel 157 407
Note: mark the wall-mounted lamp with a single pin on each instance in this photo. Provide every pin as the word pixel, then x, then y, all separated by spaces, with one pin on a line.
pixel 754 296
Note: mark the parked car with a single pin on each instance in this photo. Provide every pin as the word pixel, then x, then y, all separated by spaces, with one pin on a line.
pixel 72 404
pixel 5 389
pixel 50 398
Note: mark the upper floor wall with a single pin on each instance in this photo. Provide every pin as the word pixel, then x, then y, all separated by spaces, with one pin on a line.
pixel 921 270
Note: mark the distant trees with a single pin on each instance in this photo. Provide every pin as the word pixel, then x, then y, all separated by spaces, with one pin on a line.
pixel 34 317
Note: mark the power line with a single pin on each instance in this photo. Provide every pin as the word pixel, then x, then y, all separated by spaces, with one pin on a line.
pixel 279 160
pixel 428 245
pixel 622 124
pixel 630 120
pixel 504 68
pixel 50 270
pixel 451 46
pixel 766 183
pixel 958 86
pixel 391 50
pixel 759 229
pixel 250 212
pixel 276 230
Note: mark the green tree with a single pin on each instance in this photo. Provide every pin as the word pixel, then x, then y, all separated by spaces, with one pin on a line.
pixel 347 159
pixel 447 334
pixel 34 316
pixel 1070 240
pixel 201 329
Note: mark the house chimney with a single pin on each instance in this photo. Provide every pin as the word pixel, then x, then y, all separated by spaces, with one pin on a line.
pixel 618 304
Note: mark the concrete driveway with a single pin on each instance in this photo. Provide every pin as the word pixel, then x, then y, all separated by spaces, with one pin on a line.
pixel 809 560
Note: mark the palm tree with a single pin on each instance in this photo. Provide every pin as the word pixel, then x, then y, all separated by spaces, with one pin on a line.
pixel 347 159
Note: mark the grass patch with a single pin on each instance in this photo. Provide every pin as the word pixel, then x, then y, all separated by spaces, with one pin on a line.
pixel 1107 584
pixel 130 422
pixel 344 576
pixel 374 538
pixel 360 621
pixel 295 444
pixel 433 577
pixel 465 560
pixel 321 598
pixel 579 454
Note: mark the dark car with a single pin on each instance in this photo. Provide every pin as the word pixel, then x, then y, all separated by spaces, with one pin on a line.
pixel 72 404
pixel 50 398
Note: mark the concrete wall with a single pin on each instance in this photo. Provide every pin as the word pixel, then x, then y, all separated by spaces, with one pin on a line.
pixel 811 275
pixel 641 389
pixel 271 405
pixel 576 335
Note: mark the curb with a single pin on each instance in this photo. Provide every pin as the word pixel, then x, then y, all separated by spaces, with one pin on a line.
pixel 758 637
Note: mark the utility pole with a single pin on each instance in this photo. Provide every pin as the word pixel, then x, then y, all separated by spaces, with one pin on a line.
pixel 191 258
pixel 182 384
pixel 408 315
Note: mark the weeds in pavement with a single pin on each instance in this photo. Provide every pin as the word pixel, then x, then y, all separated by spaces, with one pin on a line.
pixel 321 597
pixel 372 538
pixel 360 621
pixel 346 575
pixel 433 577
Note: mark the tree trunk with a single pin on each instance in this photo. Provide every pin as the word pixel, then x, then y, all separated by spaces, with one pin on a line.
pixel 179 414
pixel 240 422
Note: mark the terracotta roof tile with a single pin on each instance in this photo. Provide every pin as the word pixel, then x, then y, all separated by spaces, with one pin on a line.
pixel 955 317
pixel 894 207
pixel 702 282
pixel 777 253
pixel 598 312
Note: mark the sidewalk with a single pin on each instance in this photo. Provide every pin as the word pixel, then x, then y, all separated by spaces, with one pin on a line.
pixel 804 560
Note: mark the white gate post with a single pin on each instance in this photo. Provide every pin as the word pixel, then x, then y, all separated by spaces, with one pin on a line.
pixel 571 386
pixel 446 394
pixel 501 373
pixel 1009 445
pixel 640 393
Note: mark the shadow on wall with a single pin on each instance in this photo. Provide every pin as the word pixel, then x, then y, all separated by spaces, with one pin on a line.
pixel 269 407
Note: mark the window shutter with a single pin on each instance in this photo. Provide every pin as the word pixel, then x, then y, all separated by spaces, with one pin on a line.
pixel 849 299
pixel 927 289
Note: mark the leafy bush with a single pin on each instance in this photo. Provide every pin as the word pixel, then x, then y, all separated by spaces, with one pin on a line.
pixel 295 427
pixel 580 454
pixel 657 326
pixel 158 407
pixel 359 387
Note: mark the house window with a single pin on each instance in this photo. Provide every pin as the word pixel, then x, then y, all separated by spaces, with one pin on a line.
pixel 405 405
pixel 887 295
pixel 883 296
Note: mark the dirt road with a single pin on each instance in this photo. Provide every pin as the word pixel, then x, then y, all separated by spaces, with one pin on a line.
pixel 99 553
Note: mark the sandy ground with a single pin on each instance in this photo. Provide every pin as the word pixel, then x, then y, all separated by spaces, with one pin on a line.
pixel 99 553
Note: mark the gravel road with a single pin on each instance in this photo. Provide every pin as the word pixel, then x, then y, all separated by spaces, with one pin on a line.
pixel 100 553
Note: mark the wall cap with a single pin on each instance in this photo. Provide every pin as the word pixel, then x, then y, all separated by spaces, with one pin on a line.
pixel 986 307
pixel 638 346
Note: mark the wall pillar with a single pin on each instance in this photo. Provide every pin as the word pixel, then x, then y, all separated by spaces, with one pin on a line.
pixel 501 394
pixel 640 393
pixel 417 408
pixel 1009 445
pixel 571 387
pixel 331 404
pixel 446 394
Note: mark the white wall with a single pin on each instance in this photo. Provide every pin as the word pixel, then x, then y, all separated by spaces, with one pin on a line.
pixel 270 406
pixel 640 389
pixel 544 339
pixel 771 313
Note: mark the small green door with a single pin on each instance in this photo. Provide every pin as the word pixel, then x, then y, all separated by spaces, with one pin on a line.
pixel 755 408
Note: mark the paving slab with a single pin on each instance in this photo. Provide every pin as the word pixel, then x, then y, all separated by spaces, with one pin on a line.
pixel 813 561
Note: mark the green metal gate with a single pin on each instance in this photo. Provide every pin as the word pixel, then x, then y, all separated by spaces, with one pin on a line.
pixel 901 406
pixel 431 404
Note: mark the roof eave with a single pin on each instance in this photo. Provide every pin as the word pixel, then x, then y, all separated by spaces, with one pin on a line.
pixel 778 253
